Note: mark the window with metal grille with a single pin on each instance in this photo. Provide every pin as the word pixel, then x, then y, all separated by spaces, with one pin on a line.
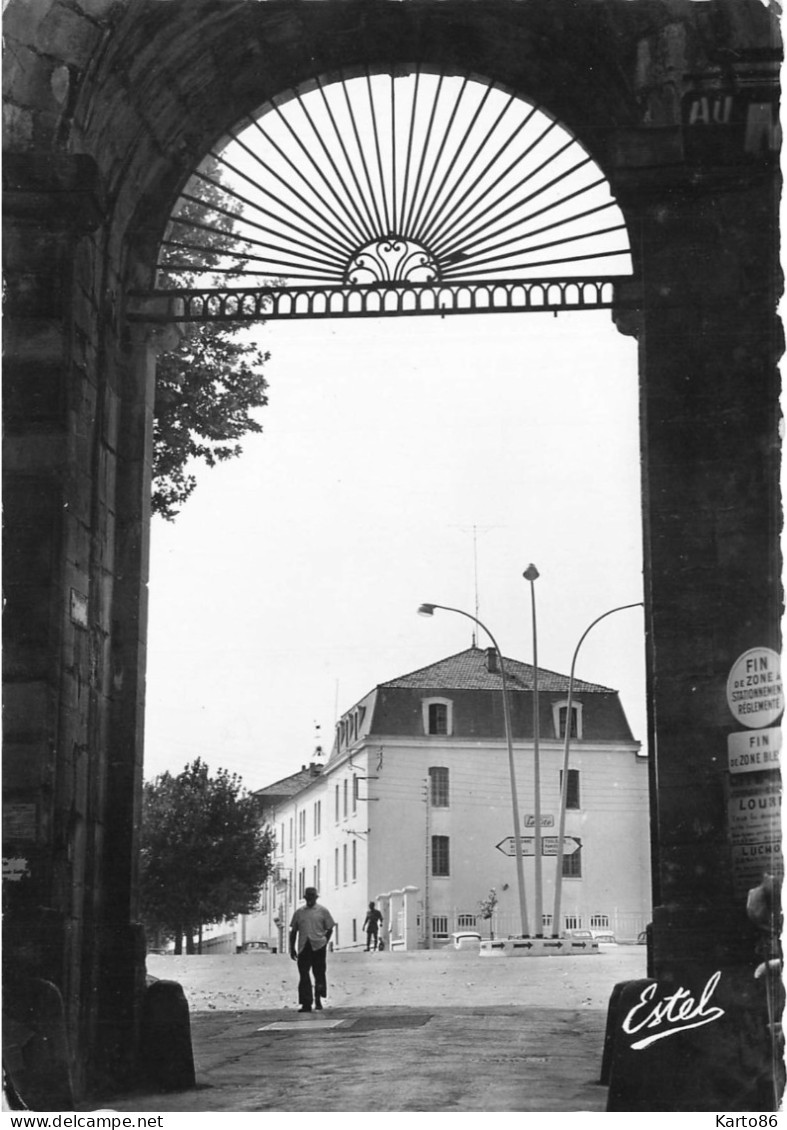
pixel 465 921
pixel 546 919
pixel 572 791
pixel 440 926
pixel 572 865
pixel 599 921
pixel 438 718
pixel 573 921
pixel 439 786
pixel 440 856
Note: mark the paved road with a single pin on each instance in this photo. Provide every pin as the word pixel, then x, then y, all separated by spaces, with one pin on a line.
pixel 433 1031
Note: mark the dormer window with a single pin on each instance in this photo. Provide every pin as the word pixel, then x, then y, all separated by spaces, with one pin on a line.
pixel 559 715
pixel 438 716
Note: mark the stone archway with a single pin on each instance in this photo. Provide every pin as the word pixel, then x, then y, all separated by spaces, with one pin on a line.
pixel 110 107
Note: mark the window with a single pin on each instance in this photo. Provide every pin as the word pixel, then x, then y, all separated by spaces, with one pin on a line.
pixel 440 856
pixel 437 715
pixel 290 831
pixel 355 860
pixel 572 865
pixel 440 926
pixel 439 789
pixel 438 718
pixel 572 791
pixel 546 920
pixel 355 929
pixel 316 875
pixel 599 922
pixel 573 921
pixel 559 712
pixel 344 863
pixel 355 793
pixel 302 826
pixel 465 922
pixel 336 800
pixel 317 817
pixel 344 804
pixel 336 867
pixel 280 844
pixel 301 882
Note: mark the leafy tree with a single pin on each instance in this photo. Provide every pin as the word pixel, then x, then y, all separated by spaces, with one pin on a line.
pixel 487 908
pixel 204 853
pixel 209 385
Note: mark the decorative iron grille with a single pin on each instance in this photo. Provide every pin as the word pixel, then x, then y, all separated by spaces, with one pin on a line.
pixel 410 192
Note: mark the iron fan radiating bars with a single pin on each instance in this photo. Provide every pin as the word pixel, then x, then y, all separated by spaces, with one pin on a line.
pixel 393 193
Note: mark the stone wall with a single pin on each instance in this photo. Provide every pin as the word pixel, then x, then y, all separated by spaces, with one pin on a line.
pixel 109 106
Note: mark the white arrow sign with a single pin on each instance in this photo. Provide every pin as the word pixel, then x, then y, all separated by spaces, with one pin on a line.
pixel 548 845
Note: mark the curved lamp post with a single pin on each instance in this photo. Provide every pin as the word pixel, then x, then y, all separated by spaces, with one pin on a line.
pixel 531 575
pixel 428 610
pixel 564 782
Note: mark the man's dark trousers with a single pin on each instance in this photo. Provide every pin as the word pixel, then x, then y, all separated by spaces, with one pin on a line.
pixel 311 961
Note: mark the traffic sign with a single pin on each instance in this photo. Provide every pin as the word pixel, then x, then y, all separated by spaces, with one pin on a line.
pixel 754 751
pixel 547 821
pixel 548 845
pixel 754 688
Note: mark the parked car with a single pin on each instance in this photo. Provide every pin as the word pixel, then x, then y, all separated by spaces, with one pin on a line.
pixel 257 947
pixel 579 935
pixel 464 940
pixel 604 937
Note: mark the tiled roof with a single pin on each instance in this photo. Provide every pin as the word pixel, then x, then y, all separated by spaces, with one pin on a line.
pixel 288 786
pixel 468 671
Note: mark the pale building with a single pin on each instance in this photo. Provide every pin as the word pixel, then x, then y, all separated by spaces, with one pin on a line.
pixel 416 795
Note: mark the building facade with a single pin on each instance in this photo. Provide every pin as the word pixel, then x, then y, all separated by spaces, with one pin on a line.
pixel 416 798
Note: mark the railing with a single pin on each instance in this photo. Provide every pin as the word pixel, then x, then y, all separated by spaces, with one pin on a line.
pixel 256 304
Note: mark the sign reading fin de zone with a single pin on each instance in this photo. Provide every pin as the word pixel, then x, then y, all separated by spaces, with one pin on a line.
pixel 754 751
pixel 754 688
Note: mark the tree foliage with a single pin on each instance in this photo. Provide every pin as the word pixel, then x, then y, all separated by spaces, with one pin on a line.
pixel 486 907
pixel 209 385
pixel 204 853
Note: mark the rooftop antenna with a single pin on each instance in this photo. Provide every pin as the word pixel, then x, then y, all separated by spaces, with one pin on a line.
pixel 483 530
pixel 318 749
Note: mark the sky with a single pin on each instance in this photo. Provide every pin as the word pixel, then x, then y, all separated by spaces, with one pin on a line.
pixel 288 586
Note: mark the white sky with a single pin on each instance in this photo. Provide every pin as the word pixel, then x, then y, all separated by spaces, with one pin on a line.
pixel 288 587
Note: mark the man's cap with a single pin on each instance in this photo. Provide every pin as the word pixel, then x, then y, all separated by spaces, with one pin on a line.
pixel 310 891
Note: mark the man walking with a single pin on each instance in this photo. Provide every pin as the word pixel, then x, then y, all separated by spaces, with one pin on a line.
pixel 371 925
pixel 310 932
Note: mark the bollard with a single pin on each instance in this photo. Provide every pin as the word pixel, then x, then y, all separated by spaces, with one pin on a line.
pixel 166 1060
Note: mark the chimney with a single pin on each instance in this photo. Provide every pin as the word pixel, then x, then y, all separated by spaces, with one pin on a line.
pixel 491 660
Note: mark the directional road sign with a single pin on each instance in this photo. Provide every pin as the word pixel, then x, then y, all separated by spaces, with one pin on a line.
pixel 548 845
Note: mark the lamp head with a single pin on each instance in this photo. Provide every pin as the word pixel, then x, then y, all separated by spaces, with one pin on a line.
pixel 531 573
pixel 426 610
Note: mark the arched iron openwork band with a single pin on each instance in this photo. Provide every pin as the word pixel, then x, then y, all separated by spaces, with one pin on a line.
pixel 270 303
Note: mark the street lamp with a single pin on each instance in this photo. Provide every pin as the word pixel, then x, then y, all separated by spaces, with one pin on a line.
pixel 428 610
pixel 531 575
pixel 566 748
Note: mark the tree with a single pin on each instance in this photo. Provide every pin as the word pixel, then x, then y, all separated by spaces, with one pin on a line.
pixel 487 908
pixel 209 385
pixel 204 852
